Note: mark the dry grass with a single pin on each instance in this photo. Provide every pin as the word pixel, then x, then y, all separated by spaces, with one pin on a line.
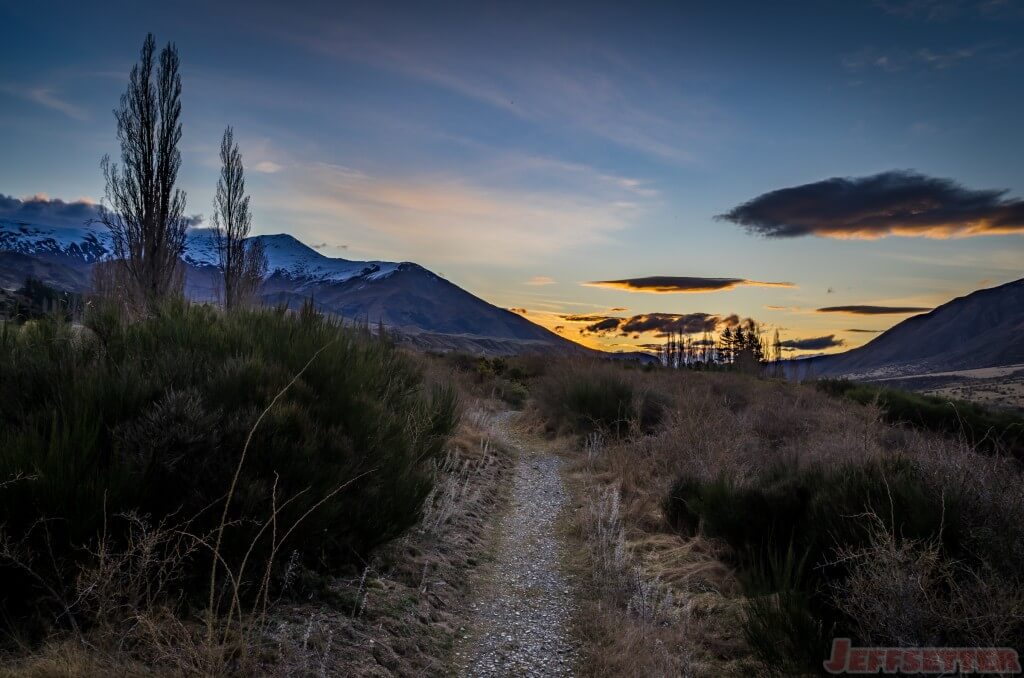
pixel 399 617
pixel 728 425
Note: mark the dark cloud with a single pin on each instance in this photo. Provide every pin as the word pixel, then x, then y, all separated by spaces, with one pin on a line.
pixel 891 203
pixel 584 317
pixel 662 324
pixel 520 311
pixel 665 323
pixel 41 210
pixel 44 211
pixel 668 284
pixel 813 343
pixel 862 331
pixel 873 310
pixel 602 326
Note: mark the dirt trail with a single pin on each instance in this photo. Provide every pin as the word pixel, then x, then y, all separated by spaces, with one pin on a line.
pixel 521 621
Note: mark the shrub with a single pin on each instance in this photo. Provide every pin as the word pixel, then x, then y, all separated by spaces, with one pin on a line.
pixel 600 398
pixel 512 392
pixel 988 429
pixel 151 418
pixel 790 523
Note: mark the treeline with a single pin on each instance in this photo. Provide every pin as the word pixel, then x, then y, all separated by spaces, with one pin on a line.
pixel 742 346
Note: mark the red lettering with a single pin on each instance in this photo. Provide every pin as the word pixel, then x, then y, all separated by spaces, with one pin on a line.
pixel 1009 661
pixel 840 654
pixel 858 660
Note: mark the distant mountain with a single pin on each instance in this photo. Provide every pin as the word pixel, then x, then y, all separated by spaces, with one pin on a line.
pixel 418 304
pixel 983 329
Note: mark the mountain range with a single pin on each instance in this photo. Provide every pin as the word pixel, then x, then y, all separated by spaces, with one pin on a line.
pixel 982 329
pixel 411 301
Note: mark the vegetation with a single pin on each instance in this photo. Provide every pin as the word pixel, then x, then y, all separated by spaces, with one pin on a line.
pixel 146 213
pixel 242 264
pixel 326 438
pixel 795 517
pixel 583 398
pixel 988 429
pixel 35 300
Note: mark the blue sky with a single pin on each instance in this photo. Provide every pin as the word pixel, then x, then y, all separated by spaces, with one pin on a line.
pixel 522 150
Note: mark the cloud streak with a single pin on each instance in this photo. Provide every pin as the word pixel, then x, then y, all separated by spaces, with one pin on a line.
pixel 48 98
pixel 873 310
pixel 896 203
pixel 665 284
pixel 812 343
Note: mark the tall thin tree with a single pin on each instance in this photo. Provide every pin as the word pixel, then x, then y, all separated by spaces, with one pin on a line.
pixel 142 208
pixel 243 263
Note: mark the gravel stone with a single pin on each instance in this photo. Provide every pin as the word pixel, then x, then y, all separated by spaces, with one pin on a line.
pixel 522 623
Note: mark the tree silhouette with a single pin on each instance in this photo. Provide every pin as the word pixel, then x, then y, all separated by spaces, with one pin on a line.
pixel 242 264
pixel 146 212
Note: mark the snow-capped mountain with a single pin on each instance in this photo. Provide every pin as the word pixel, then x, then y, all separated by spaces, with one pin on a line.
pixel 286 256
pixel 86 243
pixel 420 305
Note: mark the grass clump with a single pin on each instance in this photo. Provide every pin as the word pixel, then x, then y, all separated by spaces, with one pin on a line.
pixel 605 398
pixel 150 418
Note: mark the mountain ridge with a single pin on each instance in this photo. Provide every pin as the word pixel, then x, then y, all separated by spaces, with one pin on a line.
pixel 984 328
pixel 404 296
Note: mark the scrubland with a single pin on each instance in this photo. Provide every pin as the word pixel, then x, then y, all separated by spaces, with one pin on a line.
pixel 734 524
pixel 200 493
pixel 194 492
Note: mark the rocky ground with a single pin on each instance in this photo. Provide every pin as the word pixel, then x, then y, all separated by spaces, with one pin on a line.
pixel 521 619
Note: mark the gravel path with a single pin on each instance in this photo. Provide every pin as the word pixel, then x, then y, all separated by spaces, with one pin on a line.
pixel 521 623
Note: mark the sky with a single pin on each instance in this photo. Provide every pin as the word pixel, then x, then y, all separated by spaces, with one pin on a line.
pixel 612 171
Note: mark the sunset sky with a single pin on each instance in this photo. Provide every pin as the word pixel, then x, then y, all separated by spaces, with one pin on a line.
pixel 827 168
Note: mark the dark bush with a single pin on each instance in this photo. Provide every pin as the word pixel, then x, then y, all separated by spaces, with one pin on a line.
pixel 786 524
pixel 151 417
pixel 599 397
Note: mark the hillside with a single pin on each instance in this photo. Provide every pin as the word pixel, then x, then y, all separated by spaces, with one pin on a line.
pixel 982 329
pixel 409 299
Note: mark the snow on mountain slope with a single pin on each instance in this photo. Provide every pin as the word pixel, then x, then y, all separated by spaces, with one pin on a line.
pixel 289 257
pixel 86 243
pixel 286 256
pixel 405 297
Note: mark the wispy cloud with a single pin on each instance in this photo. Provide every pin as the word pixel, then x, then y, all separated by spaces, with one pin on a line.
pixel 601 95
pixel 48 98
pixel 540 280
pixel 900 59
pixel 444 219
pixel 267 167
pixel 665 284
pixel 947 10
